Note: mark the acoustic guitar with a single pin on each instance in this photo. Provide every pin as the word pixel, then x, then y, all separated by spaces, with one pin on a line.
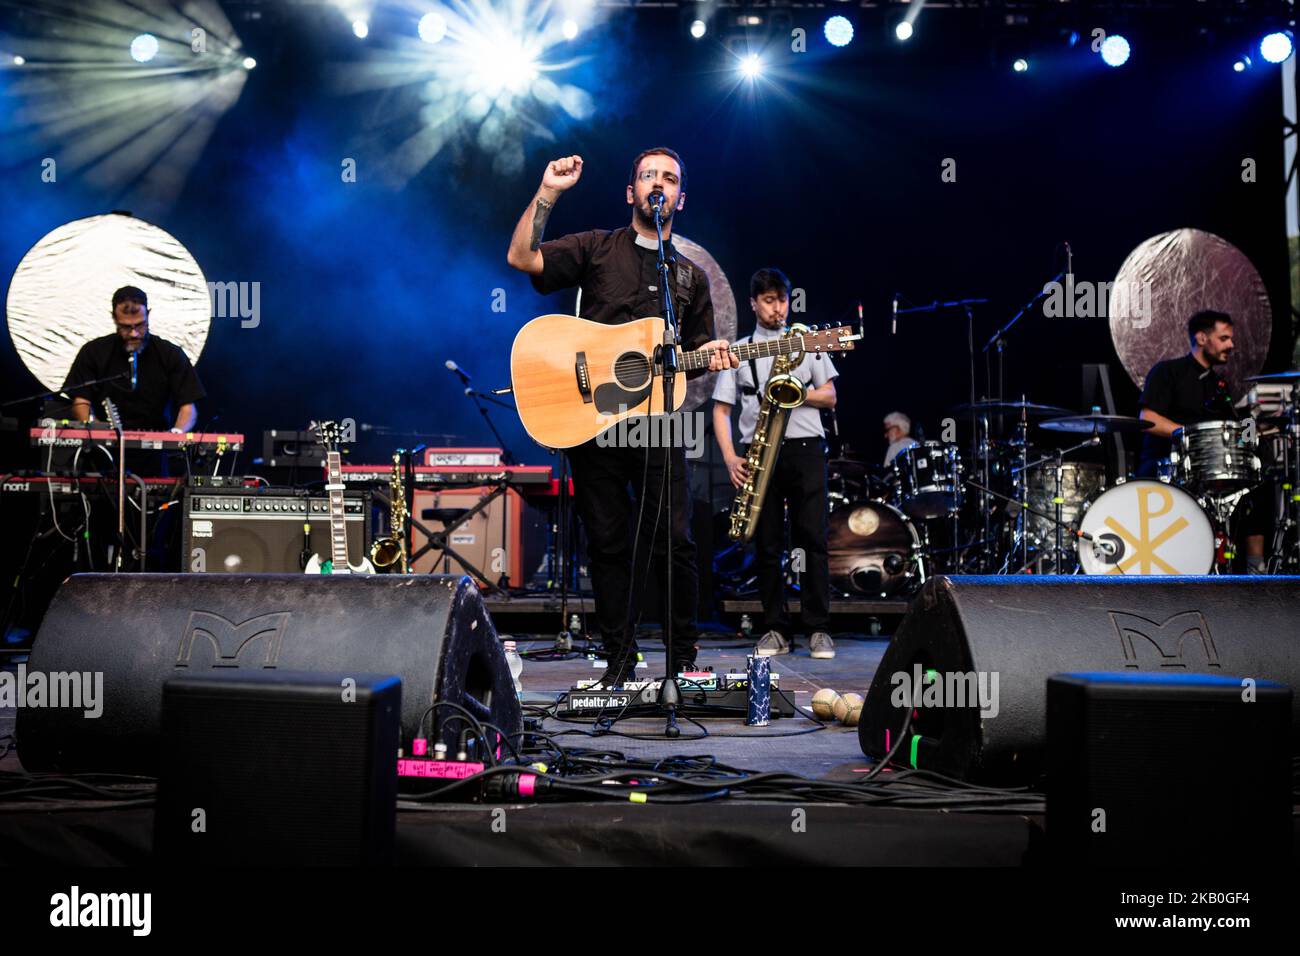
pixel 573 378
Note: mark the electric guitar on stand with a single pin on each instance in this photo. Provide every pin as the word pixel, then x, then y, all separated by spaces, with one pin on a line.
pixel 337 562
pixel 573 378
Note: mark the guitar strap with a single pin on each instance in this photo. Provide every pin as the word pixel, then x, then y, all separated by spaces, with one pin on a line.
pixel 752 388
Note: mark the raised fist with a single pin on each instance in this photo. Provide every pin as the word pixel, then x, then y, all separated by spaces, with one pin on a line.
pixel 562 173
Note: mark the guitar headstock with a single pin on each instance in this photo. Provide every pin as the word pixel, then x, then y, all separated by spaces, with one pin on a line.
pixel 111 413
pixel 828 339
pixel 328 434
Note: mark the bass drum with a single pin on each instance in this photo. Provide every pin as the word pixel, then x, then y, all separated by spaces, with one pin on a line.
pixel 1146 527
pixel 873 550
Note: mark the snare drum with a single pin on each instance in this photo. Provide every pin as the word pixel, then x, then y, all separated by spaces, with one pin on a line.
pixel 929 480
pixel 873 549
pixel 1217 457
pixel 1146 527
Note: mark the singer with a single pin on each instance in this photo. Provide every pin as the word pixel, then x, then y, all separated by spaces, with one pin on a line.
pixel 616 270
pixel 154 385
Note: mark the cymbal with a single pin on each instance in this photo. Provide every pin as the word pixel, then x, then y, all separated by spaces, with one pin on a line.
pixel 847 467
pixel 992 407
pixel 1096 424
pixel 1276 377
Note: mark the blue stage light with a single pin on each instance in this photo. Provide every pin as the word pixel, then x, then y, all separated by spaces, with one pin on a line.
pixel 1021 65
pixel 751 66
pixel 1276 47
pixel 1115 50
pixel 839 31
pixel 699 28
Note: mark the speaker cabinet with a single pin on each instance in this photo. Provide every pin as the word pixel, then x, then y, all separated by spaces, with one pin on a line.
pixel 140 630
pixel 278 768
pixel 1001 638
pixel 491 540
pixel 235 532
pixel 1131 779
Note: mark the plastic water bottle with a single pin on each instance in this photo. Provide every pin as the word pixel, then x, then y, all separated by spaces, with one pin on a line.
pixel 516 665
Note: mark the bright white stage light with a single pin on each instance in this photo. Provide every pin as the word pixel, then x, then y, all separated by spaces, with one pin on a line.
pixel 249 63
pixel 570 29
pixel 433 27
pixel 698 28
pixel 751 66
pixel 144 48
pixel 839 31
pixel 1276 47
pixel 1115 50
pixel 19 61
pixel 360 29
pixel 1021 65
pixel 904 30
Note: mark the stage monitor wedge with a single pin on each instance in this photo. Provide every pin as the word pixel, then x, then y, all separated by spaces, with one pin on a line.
pixel 137 631
pixel 976 652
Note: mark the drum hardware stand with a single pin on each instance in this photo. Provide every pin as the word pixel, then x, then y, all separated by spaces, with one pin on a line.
pixel 1075 532
pixel 1021 476
pixel 1286 558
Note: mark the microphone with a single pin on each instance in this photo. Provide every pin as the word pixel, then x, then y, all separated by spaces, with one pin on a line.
pixel 457 369
pixel 656 201
pixel 893 325
pixel 135 358
pixel 1069 260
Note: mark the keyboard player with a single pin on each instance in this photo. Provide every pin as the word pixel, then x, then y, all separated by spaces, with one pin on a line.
pixel 155 388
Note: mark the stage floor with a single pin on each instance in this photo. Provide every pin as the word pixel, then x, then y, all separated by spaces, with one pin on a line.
pixel 793 744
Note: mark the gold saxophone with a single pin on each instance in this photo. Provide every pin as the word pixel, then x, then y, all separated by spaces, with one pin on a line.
pixel 391 549
pixel 782 393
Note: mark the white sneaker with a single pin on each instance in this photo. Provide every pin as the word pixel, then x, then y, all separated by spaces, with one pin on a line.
pixel 821 646
pixel 772 644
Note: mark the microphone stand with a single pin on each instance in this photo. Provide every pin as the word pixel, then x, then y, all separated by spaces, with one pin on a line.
pixel 670 695
pixel 507 456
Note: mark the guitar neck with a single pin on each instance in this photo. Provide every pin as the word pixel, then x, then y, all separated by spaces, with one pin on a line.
pixel 745 351
pixel 338 527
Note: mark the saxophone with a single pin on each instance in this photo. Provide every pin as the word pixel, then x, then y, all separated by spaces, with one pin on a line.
pixel 781 393
pixel 391 550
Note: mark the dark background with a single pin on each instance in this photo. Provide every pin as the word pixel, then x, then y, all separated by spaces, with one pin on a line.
pixel 828 167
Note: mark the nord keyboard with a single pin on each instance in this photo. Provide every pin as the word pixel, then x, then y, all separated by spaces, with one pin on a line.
pixel 76 436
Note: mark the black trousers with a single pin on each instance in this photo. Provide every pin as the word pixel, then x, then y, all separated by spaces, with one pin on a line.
pixel 799 484
pixel 607 489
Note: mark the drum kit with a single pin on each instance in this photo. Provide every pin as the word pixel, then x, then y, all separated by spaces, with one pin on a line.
pixel 1022 500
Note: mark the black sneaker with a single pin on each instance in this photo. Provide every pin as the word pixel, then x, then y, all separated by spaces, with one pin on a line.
pixel 616 675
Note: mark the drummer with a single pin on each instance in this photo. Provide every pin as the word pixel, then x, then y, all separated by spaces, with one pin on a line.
pixel 1186 390
pixel 1191 389
pixel 898 435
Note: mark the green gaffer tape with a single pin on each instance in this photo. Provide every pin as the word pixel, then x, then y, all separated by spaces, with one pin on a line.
pixel 916 740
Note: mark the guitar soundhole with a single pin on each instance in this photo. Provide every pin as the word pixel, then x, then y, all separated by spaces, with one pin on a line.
pixel 632 369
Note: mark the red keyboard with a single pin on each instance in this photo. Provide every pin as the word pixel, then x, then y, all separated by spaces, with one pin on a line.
pixel 74 436
pixel 467 476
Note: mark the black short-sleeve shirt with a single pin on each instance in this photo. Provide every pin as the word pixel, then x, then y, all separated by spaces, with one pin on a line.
pixel 165 380
pixel 620 282
pixel 1180 389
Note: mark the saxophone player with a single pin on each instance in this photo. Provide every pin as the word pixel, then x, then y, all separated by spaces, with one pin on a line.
pixel 799 478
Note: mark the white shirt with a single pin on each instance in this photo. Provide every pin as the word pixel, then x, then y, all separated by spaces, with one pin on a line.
pixel 896 447
pixel 814 371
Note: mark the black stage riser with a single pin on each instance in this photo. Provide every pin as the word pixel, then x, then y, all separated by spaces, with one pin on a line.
pixel 140 630
pixel 1024 630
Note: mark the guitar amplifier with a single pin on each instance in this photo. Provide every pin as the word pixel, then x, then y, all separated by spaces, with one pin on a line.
pixel 234 531
pixel 491 540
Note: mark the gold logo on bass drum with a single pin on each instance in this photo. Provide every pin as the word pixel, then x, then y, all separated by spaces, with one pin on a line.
pixel 1143 544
